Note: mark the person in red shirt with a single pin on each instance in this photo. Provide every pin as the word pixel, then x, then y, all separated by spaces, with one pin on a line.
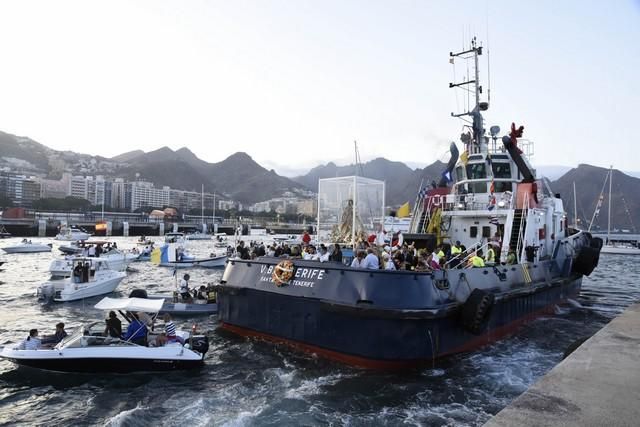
pixel 306 238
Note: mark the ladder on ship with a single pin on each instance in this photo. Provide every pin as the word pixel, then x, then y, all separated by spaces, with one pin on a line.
pixel 515 240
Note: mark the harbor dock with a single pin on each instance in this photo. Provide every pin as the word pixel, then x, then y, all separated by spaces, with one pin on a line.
pixel 597 385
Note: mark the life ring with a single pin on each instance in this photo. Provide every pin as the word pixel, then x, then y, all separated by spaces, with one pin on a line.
pixel 476 311
pixel 436 200
pixel 283 272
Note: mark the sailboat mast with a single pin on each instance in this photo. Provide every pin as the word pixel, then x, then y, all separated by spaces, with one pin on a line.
pixel 609 214
pixel 202 205
pixel 575 209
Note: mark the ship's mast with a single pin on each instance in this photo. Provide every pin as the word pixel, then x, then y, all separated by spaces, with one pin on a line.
pixel 474 143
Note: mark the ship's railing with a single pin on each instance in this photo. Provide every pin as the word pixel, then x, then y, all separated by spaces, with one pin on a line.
pixel 464 256
pixel 474 201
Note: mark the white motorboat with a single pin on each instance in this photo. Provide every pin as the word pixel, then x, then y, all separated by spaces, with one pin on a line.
pixel 174 238
pixel 88 350
pixel 175 305
pixel 198 236
pixel 620 249
pixel 91 277
pixel 27 246
pixel 71 234
pixel 78 246
pixel 117 260
pixel 214 261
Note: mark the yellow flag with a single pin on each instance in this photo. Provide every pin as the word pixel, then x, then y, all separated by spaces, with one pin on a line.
pixel 155 256
pixel 403 211
pixel 464 157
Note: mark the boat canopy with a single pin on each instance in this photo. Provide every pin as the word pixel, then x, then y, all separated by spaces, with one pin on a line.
pixel 130 304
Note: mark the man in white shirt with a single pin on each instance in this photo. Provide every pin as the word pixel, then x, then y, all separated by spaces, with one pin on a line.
pixel 371 261
pixel 358 261
pixel 323 254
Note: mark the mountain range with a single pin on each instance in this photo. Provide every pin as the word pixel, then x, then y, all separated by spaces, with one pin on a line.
pixel 240 178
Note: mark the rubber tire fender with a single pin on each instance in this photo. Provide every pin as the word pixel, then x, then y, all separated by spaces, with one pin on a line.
pixel 586 261
pixel 476 311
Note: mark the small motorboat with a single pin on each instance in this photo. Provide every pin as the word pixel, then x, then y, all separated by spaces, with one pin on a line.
pixel 117 260
pixel 214 261
pixel 4 233
pixel 27 246
pixel 174 238
pixel 79 246
pixel 71 234
pixel 172 255
pixel 175 305
pixel 88 350
pixel 198 236
pixel 90 277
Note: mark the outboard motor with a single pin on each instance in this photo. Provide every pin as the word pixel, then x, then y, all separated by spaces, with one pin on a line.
pixel 200 343
pixel 45 291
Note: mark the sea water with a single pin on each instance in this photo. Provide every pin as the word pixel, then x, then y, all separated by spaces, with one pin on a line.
pixel 247 382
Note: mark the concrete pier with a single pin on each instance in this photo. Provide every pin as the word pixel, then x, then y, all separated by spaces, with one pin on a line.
pixel 597 385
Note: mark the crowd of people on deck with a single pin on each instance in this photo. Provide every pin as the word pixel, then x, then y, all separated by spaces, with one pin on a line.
pixel 376 252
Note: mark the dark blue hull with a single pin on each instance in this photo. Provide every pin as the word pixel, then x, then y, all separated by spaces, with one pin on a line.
pixel 378 338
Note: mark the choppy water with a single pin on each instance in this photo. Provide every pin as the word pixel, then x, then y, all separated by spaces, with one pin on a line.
pixel 253 383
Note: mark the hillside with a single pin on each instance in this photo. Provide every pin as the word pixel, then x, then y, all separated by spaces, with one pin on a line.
pixel 625 204
pixel 402 183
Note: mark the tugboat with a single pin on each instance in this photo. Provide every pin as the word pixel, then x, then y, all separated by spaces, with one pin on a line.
pixel 488 199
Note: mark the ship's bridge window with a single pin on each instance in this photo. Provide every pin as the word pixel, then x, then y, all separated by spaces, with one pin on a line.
pixel 501 170
pixel 501 186
pixel 476 171
pixel 460 173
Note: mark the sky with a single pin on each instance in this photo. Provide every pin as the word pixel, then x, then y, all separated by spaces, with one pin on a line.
pixel 295 83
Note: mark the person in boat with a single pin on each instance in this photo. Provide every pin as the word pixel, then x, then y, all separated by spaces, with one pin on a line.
pixel 169 328
pixel 511 256
pixel 77 273
pixel 358 261
pixel 336 254
pixel 490 257
pixel 212 296
pixel 136 331
pixel 32 342
pixel 456 254
pixel 201 295
pixel 388 263
pixel 323 253
pixel 60 333
pixel 476 260
pixel 306 238
pixel 371 261
pixel 113 326
pixel 423 261
pixel 183 288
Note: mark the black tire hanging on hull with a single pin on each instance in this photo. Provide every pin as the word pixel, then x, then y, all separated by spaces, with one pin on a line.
pixel 476 311
pixel 587 260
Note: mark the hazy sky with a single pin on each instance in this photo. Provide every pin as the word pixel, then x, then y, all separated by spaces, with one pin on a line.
pixel 294 83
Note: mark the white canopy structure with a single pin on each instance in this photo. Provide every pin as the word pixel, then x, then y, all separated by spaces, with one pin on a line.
pixel 130 304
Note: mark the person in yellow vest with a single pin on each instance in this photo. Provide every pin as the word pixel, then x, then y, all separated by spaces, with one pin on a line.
pixel 456 252
pixel 476 260
pixel 490 258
